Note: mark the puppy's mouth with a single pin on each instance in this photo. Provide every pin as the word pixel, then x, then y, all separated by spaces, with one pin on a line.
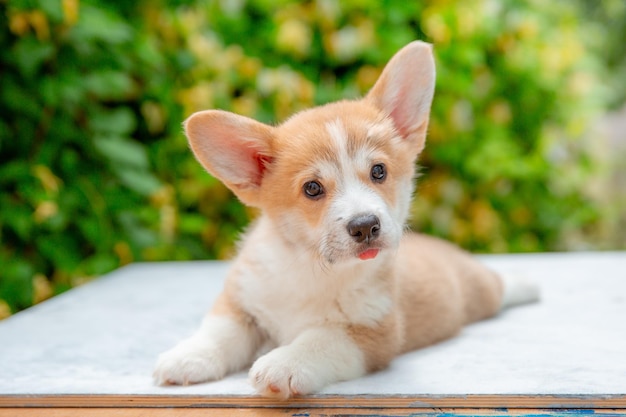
pixel 359 253
pixel 367 254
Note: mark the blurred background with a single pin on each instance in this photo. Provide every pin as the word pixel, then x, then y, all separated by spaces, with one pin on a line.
pixel 526 148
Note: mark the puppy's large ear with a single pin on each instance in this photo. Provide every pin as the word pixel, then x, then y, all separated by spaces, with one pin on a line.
pixel 405 91
pixel 233 148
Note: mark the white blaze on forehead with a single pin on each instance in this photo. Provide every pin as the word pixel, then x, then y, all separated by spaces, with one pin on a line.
pixel 337 132
pixel 348 163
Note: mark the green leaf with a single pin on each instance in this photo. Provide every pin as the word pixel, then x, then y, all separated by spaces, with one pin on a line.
pixel 140 235
pixel 143 182
pixel 20 101
pixel 14 172
pixel 109 84
pixel 61 249
pixel 90 229
pixel 119 121
pixel 192 223
pixel 30 54
pixel 16 217
pixel 99 264
pixel 16 285
pixel 53 9
pixel 120 151
pixel 99 24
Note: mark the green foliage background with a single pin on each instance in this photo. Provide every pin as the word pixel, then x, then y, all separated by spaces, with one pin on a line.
pixel 95 172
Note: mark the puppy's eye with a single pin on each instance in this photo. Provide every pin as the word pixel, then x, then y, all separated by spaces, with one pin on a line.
pixel 313 189
pixel 378 173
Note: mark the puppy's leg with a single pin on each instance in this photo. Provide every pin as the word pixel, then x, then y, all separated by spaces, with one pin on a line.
pixel 225 342
pixel 316 358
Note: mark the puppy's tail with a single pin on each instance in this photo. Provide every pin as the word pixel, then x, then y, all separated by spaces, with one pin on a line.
pixel 518 290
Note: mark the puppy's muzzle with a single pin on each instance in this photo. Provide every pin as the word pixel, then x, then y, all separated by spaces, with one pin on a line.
pixel 364 228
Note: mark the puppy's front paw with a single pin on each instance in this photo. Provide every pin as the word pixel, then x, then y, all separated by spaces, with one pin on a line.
pixel 189 363
pixel 283 373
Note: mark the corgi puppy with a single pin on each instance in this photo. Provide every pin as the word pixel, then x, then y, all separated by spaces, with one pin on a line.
pixel 327 285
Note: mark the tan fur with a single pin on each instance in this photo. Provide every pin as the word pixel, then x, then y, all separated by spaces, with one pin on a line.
pixel 437 288
pixel 436 293
pixel 458 291
pixel 296 147
pixel 296 279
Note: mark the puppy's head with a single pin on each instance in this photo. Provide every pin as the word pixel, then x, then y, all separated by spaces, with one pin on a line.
pixel 336 179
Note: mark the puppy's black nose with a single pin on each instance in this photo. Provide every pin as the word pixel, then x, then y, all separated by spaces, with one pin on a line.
pixel 364 228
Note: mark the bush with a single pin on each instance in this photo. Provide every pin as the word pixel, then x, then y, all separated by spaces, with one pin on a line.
pixel 94 164
pixel 609 17
pixel 95 172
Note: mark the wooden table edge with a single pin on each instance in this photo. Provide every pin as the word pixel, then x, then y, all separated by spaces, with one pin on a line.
pixel 475 401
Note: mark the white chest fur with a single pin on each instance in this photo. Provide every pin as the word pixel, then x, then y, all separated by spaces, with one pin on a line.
pixel 287 291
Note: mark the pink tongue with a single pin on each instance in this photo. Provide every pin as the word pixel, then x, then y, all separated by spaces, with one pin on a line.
pixel 368 254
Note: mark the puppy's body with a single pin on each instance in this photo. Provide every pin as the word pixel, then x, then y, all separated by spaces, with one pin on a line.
pixel 327 286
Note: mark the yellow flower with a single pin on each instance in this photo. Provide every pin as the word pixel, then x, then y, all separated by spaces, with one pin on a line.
pixel 123 252
pixel 436 28
pixel 42 290
pixel 39 22
pixel 245 105
pixel 5 310
pixel 45 210
pixel 367 76
pixel 18 23
pixel 294 36
pixel 50 182
pixel 70 11
pixel 500 112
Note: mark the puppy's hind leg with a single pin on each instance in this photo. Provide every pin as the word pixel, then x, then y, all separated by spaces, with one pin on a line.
pixel 225 342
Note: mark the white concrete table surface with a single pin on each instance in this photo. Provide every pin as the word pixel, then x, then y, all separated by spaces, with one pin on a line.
pixel 96 345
